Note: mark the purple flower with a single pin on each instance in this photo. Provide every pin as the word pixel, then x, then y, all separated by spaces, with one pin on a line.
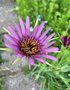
pixel 33 46
pixel 65 40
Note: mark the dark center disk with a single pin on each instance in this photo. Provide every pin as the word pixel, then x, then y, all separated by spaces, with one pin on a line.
pixel 29 46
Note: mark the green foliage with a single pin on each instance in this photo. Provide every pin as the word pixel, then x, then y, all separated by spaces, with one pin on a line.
pixel 57 76
pixel 57 14
pixel 2 83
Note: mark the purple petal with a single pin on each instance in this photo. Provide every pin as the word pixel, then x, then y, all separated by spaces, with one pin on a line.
pixel 51 49
pixel 18 30
pixel 27 25
pixel 19 54
pixel 35 31
pixel 14 47
pixel 11 39
pixel 43 39
pixel 65 40
pixel 49 37
pixel 12 31
pixel 50 57
pixel 22 25
pixel 31 61
pixel 43 35
pixel 68 41
pixel 49 44
pixel 40 29
pixel 41 60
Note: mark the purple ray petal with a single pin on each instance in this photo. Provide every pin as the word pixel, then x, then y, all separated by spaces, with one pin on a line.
pixel 43 35
pixel 12 31
pixel 68 41
pixel 40 59
pixel 50 57
pixel 65 40
pixel 43 39
pixel 40 29
pixel 49 37
pixel 18 30
pixel 51 49
pixel 27 26
pixel 31 61
pixel 49 44
pixel 35 31
pixel 22 25
pixel 14 47
pixel 11 39
pixel 19 54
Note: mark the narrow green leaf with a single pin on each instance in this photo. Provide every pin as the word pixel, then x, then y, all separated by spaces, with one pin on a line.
pixel 6 30
pixel 16 60
pixel 8 49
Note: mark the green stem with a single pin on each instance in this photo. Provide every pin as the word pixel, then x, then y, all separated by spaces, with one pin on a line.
pixel 8 49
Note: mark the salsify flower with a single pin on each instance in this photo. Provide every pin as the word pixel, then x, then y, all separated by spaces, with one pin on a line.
pixel 65 40
pixel 32 45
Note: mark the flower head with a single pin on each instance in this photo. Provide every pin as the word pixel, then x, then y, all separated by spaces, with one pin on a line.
pixel 33 45
pixel 65 40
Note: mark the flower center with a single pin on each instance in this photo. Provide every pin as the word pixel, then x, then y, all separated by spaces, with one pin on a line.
pixel 29 46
